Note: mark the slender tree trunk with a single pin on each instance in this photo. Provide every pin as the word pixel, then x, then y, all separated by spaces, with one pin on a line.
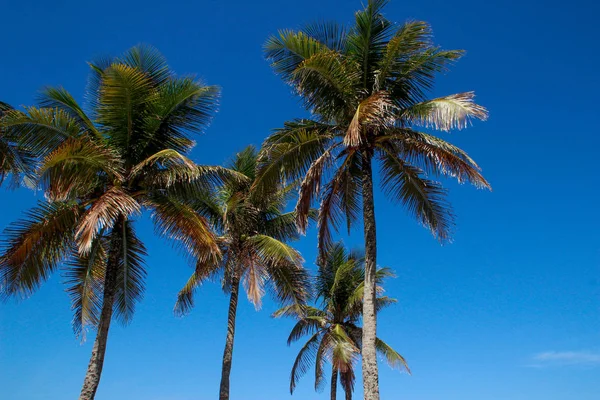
pixel 348 394
pixel 334 379
pixel 369 354
pixel 94 371
pixel 228 352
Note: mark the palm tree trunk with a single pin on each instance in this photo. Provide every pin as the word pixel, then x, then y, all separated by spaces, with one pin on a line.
pixel 334 379
pixel 94 371
pixel 369 354
pixel 228 352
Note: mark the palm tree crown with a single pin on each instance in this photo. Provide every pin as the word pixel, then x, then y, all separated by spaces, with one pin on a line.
pixel 100 166
pixel 252 228
pixel 333 327
pixel 367 88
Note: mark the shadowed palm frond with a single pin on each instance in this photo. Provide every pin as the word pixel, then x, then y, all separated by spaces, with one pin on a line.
pixel 132 273
pixel 84 277
pixel 423 198
pixel 34 246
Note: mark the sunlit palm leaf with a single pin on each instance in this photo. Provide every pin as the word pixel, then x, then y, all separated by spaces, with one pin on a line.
pixel 102 214
pixel 456 111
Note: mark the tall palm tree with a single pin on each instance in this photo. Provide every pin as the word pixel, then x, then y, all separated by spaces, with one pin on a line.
pixel 252 228
pixel 333 325
pixel 15 159
pixel 100 166
pixel 366 87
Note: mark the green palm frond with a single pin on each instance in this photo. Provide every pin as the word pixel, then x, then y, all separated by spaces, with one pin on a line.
pixel 410 38
pixel 59 98
pixel 272 251
pixel 40 130
pixel 288 49
pixel 190 231
pixel 292 150
pixel 148 60
pixel 423 198
pixel 304 359
pixel 183 105
pixel 205 269
pixel 76 168
pixel 435 155
pixel 393 358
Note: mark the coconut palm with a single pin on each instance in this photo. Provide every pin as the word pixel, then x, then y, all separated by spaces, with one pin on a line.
pixel 100 167
pixel 332 327
pixel 252 228
pixel 15 159
pixel 367 87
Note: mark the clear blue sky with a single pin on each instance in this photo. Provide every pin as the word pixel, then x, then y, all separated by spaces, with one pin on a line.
pixel 509 311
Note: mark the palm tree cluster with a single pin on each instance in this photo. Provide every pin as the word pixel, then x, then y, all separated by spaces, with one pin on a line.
pixel 125 150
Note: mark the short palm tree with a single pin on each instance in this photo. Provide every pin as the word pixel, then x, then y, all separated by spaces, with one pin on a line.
pixel 366 87
pixel 15 159
pixel 333 325
pixel 99 168
pixel 252 228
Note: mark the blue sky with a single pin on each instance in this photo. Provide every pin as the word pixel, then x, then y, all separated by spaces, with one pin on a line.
pixel 509 311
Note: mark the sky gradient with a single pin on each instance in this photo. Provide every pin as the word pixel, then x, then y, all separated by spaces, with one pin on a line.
pixel 509 311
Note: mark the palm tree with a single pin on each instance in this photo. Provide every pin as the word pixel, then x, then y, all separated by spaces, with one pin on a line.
pixel 15 159
pixel 333 327
pixel 99 168
pixel 366 87
pixel 252 228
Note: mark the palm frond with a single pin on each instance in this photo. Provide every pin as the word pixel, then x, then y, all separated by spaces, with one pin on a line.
pixel 34 246
pixel 185 298
pixel 303 360
pixel 131 273
pixel 103 213
pixel 189 230
pixel 84 277
pixel 410 38
pixel 377 110
pixel 183 106
pixel 40 130
pixel 456 111
pixel 273 252
pixel 60 98
pixel 77 167
pixel 305 326
pixel 435 155
pixel 393 358
pixel 290 151
pixel 423 198
pixel 368 38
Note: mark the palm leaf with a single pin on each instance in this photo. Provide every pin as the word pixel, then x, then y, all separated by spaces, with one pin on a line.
pixel 131 273
pixel 34 246
pixel 85 280
pixel 423 198
pixel 456 111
